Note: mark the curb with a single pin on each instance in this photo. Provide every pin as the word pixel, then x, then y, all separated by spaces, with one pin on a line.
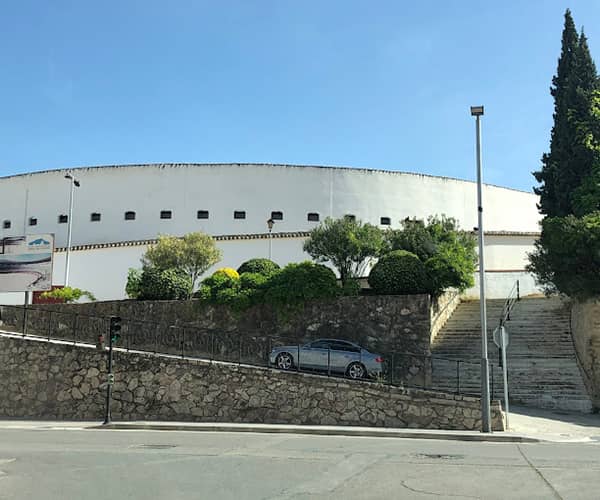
pixel 322 431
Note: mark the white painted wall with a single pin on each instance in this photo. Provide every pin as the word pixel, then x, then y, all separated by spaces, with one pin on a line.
pixel 499 285
pixel 507 252
pixel 257 189
pixel 103 271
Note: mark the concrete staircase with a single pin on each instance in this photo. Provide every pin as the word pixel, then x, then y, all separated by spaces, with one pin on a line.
pixel 542 367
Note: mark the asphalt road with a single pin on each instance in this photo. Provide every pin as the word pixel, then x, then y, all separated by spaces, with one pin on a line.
pixel 107 464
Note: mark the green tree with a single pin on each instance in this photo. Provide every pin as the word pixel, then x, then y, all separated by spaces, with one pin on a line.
pixel 549 177
pixel 163 284
pixel 572 156
pixel 134 278
pixel 586 197
pixel 348 244
pixel 193 254
pixel 570 175
pixel 259 265
pixel 447 252
pixel 567 255
pixel 298 283
pixel 399 273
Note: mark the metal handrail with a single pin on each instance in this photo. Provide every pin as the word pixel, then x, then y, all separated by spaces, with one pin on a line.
pixel 513 297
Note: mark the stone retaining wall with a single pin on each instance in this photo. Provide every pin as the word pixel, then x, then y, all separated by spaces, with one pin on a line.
pixel 585 329
pixel 49 380
pixel 442 309
pixel 382 324
pixel 386 323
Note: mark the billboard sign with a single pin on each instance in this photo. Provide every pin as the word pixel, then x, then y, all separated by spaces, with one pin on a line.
pixel 26 263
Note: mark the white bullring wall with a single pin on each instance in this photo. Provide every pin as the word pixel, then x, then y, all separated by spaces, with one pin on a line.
pixel 510 216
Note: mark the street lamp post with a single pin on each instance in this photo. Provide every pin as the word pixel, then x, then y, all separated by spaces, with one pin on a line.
pixel 270 224
pixel 477 112
pixel 74 183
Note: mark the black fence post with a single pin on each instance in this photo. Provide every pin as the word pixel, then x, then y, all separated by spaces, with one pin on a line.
pixel 328 361
pixel 298 359
pixel 24 319
pixel 240 352
pixel 392 371
pixel 49 326
pixel 458 376
pixel 492 372
pixel 182 342
pixel 156 338
pixel 75 328
pixel 109 382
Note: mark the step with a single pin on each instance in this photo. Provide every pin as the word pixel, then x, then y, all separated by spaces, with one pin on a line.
pixel 543 370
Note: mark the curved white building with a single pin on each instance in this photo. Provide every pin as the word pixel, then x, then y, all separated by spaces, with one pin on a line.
pixel 118 209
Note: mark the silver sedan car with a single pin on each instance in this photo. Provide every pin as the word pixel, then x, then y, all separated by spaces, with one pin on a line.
pixel 329 355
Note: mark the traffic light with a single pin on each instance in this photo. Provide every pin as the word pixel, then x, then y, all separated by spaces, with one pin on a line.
pixel 115 328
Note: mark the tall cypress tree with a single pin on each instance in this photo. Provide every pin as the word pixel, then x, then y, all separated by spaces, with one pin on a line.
pixel 568 251
pixel 585 118
pixel 557 161
pixel 568 165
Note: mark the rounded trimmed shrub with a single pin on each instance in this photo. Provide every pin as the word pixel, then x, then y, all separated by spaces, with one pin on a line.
pixel 297 283
pixel 252 281
pixel 165 284
pixel 259 266
pixel 228 271
pixel 219 281
pixel 399 273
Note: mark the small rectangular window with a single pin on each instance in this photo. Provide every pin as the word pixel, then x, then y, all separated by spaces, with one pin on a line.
pixel 351 217
pixel 239 214
pixel 129 215
pixel 95 217
pixel 63 219
pixel 385 221
pixel 277 215
pixel 32 221
pixel 166 214
pixel 6 224
pixel 202 214
pixel 313 217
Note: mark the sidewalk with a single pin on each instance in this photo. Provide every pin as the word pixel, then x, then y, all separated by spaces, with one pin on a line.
pixel 351 431
pixel 556 426
pixel 527 425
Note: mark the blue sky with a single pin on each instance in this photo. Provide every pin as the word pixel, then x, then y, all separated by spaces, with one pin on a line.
pixel 376 84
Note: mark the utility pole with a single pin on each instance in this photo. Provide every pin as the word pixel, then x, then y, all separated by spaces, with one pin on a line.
pixel 74 183
pixel 477 112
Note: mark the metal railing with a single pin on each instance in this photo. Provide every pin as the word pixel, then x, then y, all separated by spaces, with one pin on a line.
pixel 513 297
pixel 189 341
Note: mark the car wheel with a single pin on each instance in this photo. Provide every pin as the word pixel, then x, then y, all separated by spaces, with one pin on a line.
pixel 284 361
pixel 356 371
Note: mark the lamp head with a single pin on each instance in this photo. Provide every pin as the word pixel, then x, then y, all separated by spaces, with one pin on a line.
pixel 476 110
pixel 270 224
pixel 71 178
